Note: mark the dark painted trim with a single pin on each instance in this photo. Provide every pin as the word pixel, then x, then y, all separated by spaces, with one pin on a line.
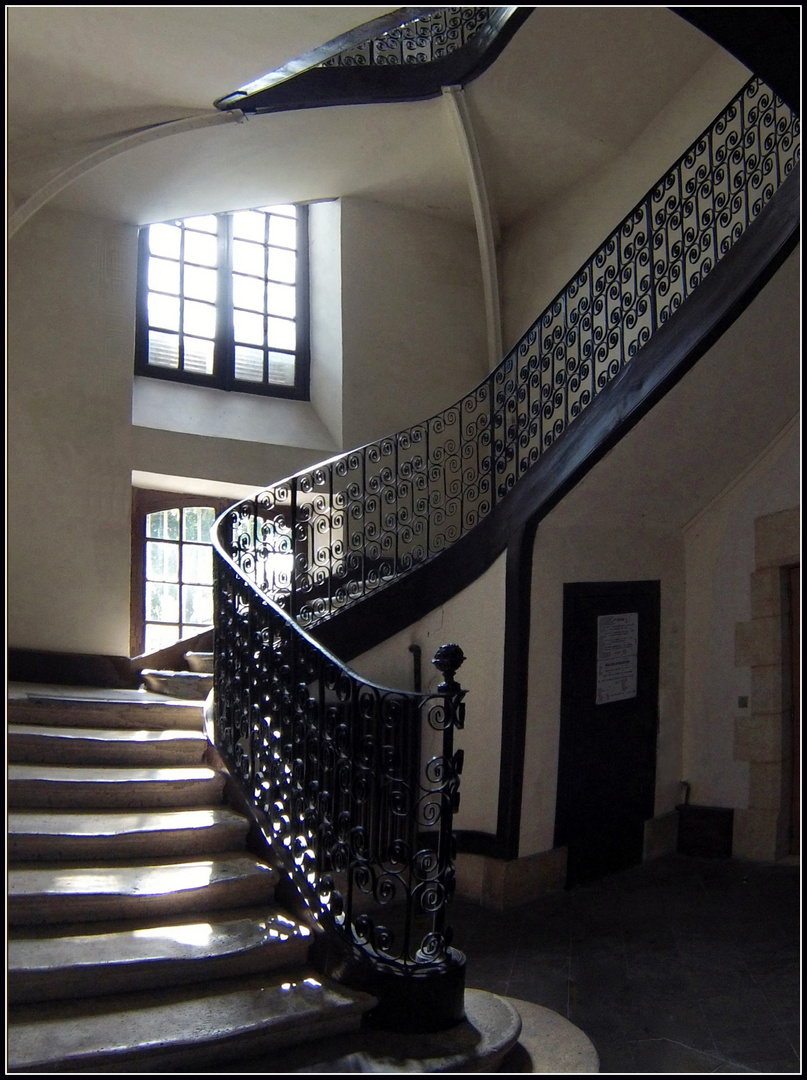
pixel 766 39
pixel 70 669
pixel 670 353
pixel 313 87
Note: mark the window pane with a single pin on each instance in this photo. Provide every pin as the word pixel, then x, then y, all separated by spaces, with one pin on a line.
pixel 248 292
pixel 201 248
pixel 249 225
pixel 283 232
pixel 163 349
pixel 281 369
pixel 208 223
pixel 281 334
pixel 198 355
pixel 197 605
pixel 162 602
pixel 163 525
pixel 190 523
pixel 163 311
pixel 282 265
pixel 162 561
pixel 165 240
pixel 207 515
pixel 200 319
pixel 248 258
pixel 164 275
pixel 197 564
pixel 248 327
pixel 159 636
pixel 200 284
pixel 248 364
pixel 281 300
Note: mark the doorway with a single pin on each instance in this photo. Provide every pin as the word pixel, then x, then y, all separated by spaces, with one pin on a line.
pixel 608 724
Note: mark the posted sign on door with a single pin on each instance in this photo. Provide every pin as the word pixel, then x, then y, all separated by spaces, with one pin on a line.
pixel 617 656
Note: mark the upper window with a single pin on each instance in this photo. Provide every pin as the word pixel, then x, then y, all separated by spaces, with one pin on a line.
pixel 223 301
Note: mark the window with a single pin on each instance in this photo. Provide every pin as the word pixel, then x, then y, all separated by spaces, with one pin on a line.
pixel 172 568
pixel 223 301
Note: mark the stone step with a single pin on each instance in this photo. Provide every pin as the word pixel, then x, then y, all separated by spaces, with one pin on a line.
pixel 115 709
pixel 62 835
pixel 51 786
pixel 63 894
pixel 87 965
pixel 189 685
pixel 102 746
pixel 200 661
pixel 182 1028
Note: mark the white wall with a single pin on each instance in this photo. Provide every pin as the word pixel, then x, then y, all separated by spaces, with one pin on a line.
pixel 412 318
pixel 719 558
pixel 408 324
pixel 474 620
pixel 542 251
pixel 70 340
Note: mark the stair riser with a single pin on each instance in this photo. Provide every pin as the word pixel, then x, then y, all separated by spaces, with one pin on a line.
pixel 33 909
pixel 189 686
pixel 122 794
pixel 154 716
pixel 178 1038
pixel 51 750
pixel 94 980
pixel 36 847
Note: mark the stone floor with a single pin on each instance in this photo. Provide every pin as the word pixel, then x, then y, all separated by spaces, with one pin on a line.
pixel 680 965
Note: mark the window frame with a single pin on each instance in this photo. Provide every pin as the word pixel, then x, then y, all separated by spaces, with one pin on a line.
pixel 223 376
pixel 145 502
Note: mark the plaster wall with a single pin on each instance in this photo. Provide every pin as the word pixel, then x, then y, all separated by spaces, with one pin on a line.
pixel 482 641
pixel 719 553
pixel 412 318
pixel 542 251
pixel 402 340
pixel 69 364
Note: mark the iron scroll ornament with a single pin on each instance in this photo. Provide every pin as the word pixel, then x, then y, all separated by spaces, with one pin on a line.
pixel 355 787
pixel 350 526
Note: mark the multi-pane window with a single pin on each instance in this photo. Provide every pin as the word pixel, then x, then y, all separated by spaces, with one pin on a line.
pixel 223 301
pixel 178 594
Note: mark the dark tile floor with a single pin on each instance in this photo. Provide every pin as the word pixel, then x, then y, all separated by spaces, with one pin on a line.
pixel 679 965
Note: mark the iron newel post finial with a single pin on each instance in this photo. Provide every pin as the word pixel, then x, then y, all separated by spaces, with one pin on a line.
pixel 448 659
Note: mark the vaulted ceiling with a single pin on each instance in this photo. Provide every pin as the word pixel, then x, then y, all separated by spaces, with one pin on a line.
pixel 576 85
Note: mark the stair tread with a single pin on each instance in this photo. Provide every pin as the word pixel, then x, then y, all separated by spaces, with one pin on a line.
pixel 278 1008
pixel 111 735
pixel 109 774
pixel 115 823
pixel 184 941
pixel 134 880
pixel 73 707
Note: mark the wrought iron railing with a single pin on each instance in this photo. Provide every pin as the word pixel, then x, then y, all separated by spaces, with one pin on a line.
pixel 355 787
pixel 327 537
pixel 343 775
pixel 430 36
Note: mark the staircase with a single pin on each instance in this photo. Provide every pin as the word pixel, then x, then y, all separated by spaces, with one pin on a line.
pixel 142 933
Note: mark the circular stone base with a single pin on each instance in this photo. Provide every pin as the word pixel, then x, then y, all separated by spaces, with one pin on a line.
pixel 549 1043
pixel 491 1027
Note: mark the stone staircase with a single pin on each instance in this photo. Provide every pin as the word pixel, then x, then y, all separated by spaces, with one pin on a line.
pixel 142 933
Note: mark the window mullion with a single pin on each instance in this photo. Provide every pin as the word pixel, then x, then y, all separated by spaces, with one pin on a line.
pixel 224 353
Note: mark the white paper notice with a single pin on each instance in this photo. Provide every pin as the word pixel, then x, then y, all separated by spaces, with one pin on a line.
pixel 617 649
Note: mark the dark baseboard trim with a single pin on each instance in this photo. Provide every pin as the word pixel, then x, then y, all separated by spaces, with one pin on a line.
pixel 70 669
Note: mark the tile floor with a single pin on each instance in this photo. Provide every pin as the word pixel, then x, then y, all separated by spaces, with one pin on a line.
pixel 680 965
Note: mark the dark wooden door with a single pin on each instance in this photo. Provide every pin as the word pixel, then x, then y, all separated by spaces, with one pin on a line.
pixel 608 724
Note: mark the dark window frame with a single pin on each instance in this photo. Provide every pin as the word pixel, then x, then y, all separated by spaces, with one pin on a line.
pixel 223 376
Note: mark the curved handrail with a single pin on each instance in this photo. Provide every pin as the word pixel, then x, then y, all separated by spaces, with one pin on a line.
pixel 325 538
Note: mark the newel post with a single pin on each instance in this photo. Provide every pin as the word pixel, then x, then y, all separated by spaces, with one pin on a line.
pixel 448 660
